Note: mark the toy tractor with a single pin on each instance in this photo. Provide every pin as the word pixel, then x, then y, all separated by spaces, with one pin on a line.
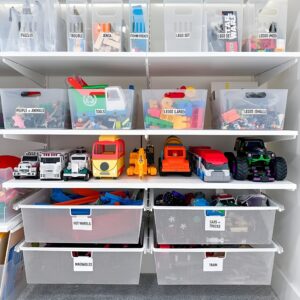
pixel 254 162
pixel 174 158
pixel 140 163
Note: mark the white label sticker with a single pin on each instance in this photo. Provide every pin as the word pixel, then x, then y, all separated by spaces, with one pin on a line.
pixel 214 223
pixel 256 111
pixel 213 264
pixel 26 35
pixel 83 264
pixel 268 35
pixel 183 35
pixel 174 111
pixel 139 36
pixel 100 111
pixel 76 35
pixel 82 223
pixel 28 110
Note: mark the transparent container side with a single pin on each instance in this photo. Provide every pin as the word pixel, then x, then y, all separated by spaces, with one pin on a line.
pixel 251 109
pixel 35 108
pixel 77 25
pixel 183 25
pixel 104 108
pixel 107 25
pixel 139 25
pixel 192 268
pixel 174 109
pixel 222 29
pixel 265 26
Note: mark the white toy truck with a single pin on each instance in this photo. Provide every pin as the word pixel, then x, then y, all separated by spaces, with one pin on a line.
pixel 79 166
pixel 29 165
pixel 53 164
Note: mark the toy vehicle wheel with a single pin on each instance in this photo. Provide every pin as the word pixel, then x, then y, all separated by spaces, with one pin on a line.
pixel 187 174
pixel 17 177
pixel 66 178
pixel 161 173
pixel 241 171
pixel 87 177
pixel 279 168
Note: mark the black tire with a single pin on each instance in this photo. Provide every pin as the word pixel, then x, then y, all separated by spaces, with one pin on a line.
pixel 87 177
pixel 231 161
pixel 279 168
pixel 66 178
pixel 17 177
pixel 187 174
pixel 161 173
pixel 242 169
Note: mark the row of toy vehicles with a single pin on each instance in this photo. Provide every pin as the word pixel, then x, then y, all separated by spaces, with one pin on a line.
pixel 252 161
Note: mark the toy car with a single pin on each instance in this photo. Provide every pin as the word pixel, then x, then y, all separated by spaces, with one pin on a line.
pixel 140 163
pixel 29 166
pixel 254 162
pixel 174 158
pixel 79 166
pixel 210 165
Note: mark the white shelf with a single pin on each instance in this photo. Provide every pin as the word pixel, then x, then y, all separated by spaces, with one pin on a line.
pixel 157 182
pixel 275 135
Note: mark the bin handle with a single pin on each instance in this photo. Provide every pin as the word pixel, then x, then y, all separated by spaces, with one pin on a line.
pixel 219 254
pixel 30 94
pixel 81 254
pixel 19 246
pixel 278 247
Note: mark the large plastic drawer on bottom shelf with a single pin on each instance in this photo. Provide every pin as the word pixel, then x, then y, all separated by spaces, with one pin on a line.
pixel 217 266
pixel 90 265
pixel 46 223
pixel 179 225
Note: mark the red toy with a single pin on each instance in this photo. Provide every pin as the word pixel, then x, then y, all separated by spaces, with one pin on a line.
pixel 8 161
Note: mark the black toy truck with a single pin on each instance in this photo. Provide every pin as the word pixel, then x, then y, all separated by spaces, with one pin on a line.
pixel 254 162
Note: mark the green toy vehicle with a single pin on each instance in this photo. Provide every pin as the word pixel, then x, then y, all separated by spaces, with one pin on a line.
pixel 254 162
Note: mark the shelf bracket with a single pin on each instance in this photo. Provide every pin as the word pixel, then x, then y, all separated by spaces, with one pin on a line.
pixel 34 76
pixel 268 75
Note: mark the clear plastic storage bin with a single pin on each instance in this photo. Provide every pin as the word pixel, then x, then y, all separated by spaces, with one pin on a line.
pixel 83 265
pixel 77 25
pixel 174 109
pixel 265 25
pixel 223 21
pixel 251 109
pixel 183 25
pixel 178 225
pixel 107 25
pixel 35 108
pixel 80 224
pixel 215 266
pixel 139 25
pixel 103 108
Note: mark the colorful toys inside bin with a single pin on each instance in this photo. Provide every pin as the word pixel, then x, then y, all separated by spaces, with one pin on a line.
pixel 92 197
pixel 29 167
pixel 141 162
pixel 210 165
pixel 99 106
pixel 108 157
pixel 254 162
pixel 179 109
pixel 173 159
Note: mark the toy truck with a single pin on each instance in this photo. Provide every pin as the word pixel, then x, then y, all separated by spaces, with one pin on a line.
pixel 53 163
pixel 174 159
pixel 140 165
pixel 254 162
pixel 29 166
pixel 79 166
pixel 209 164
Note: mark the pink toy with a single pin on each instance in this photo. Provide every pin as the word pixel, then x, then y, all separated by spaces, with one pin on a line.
pixel 18 121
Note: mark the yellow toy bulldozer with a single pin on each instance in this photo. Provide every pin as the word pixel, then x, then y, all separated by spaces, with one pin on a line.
pixel 138 164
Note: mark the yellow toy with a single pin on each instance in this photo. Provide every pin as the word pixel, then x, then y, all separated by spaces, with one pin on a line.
pixel 138 164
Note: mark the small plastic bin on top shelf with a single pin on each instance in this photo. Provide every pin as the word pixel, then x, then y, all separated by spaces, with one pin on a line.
pixel 250 109
pixel 107 25
pixel 35 108
pixel 174 109
pixel 183 25
pixel 223 22
pixel 265 25
pixel 139 25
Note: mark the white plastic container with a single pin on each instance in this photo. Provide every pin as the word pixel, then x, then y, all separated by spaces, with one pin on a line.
pixel 183 25
pixel 223 21
pixel 265 25
pixel 139 11
pixel 183 225
pixel 114 110
pixel 77 25
pixel 90 265
pixel 35 108
pixel 174 109
pixel 251 109
pixel 103 224
pixel 107 25
pixel 215 266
